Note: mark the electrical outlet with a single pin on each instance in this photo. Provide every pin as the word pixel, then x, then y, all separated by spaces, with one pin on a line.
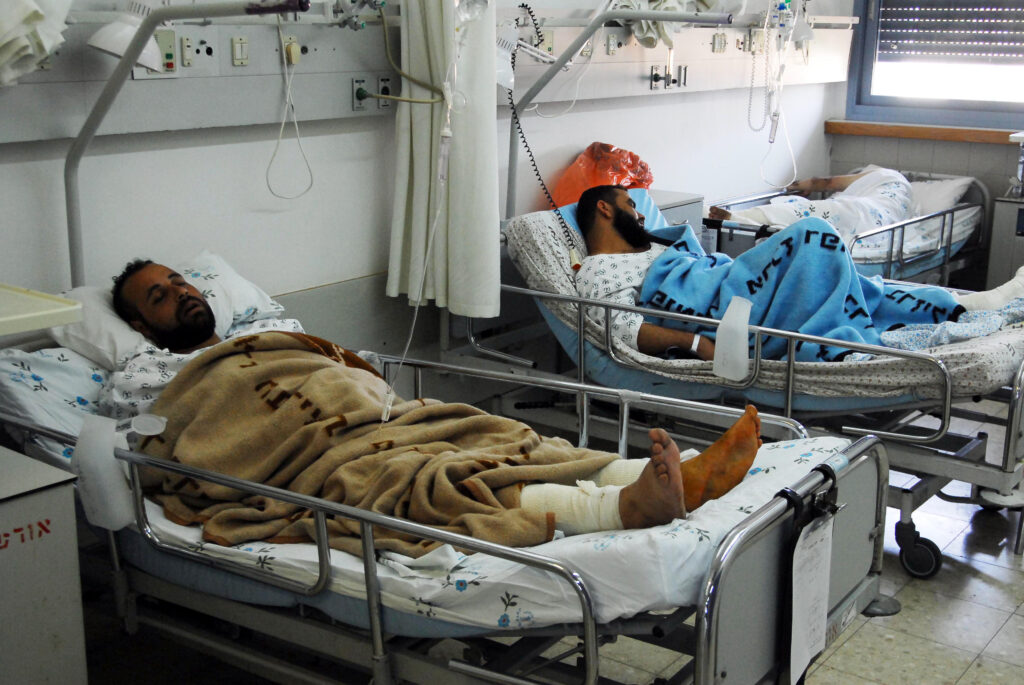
pixel 384 88
pixel 655 77
pixel 548 41
pixel 166 43
pixel 718 43
pixel 358 105
pixel 186 51
pixel 239 51
pixel 587 50
pixel 612 44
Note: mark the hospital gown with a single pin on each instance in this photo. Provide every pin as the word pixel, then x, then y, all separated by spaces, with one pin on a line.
pixel 879 198
pixel 133 388
pixel 617 278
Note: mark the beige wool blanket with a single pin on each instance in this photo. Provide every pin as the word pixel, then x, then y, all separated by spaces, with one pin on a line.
pixel 300 413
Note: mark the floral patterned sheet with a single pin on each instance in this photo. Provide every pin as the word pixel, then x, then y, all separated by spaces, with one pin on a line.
pixel 55 388
pixel 627 571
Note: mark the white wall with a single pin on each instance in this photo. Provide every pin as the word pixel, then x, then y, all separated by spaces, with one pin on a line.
pixel 168 195
pixel 695 142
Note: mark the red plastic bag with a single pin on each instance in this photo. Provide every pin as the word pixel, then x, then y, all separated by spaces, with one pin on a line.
pixel 601 164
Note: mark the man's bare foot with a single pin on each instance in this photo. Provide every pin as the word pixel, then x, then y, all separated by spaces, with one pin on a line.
pixel 656 497
pixel 719 213
pixel 720 467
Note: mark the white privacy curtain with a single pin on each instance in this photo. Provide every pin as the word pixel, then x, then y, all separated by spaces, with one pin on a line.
pixel 463 268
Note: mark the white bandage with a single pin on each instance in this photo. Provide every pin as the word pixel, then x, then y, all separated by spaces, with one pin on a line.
pixel 695 344
pixel 995 298
pixel 626 471
pixel 619 472
pixel 584 508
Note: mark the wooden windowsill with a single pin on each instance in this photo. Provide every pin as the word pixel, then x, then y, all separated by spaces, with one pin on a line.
pixel 955 134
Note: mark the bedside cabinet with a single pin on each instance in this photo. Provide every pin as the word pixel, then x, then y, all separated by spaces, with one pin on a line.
pixel 1006 250
pixel 42 638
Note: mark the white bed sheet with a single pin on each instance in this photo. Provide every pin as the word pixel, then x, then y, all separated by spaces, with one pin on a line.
pixel 627 571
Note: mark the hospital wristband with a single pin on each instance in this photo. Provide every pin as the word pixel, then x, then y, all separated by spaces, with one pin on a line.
pixel 695 343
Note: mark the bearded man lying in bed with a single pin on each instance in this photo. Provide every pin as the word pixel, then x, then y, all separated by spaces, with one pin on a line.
pixel 298 412
pixel 800 279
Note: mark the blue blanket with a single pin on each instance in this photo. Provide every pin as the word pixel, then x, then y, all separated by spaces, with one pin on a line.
pixel 801 279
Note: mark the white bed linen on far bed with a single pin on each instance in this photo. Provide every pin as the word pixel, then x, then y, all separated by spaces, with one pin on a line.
pixel 627 571
pixel 920 238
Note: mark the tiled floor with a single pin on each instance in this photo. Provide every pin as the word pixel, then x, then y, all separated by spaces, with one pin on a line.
pixel 964 626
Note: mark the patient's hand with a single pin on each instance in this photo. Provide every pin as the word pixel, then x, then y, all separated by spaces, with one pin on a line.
pixel 804 186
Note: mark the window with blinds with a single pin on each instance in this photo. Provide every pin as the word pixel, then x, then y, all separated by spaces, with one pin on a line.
pixel 979 32
pixel 970 51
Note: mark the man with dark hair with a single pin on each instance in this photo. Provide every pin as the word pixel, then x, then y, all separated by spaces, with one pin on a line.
pixel 268 407
pixel 800 279
pixel 159 303
pixel 610 225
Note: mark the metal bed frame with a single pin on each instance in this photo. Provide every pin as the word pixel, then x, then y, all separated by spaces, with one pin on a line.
pixel 974 252
pixel 936 457
pixel 750 561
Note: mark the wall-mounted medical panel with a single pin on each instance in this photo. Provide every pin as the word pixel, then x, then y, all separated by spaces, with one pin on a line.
pixel 208 84
pixel 702 58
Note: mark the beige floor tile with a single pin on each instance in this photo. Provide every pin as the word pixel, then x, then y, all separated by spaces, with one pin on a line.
pixel 942 530
pixel 841 640
pixel 894 576
pixel 639 654
pixel 988 671
pixel 989 539
pixel 979 582
pixel 635 670
pixel 624 673
pixel 950 621
pixel 878 654
pixel 898 479
pixel 990 407
pixel 673 667
pixel 830 676
pixel 955 510
pixel 1008 644
pixel 956 424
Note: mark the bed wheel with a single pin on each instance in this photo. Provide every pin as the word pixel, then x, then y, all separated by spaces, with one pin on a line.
pixel 922 559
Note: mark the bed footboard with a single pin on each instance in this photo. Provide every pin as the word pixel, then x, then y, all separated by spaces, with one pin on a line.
pixel 751 579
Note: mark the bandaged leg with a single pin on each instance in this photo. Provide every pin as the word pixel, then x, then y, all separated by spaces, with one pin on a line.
pixel 997 297
pixel 583 508
pixel 626 471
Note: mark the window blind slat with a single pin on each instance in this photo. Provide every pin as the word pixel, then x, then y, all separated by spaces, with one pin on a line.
pixel 957 32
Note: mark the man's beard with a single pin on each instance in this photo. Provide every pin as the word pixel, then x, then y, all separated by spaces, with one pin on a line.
pixel 630 228
pixel 192 329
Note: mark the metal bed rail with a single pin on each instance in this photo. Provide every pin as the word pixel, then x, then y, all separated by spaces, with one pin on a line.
pixel 367 519
pixel 626 399
pixel 322 508
pixel 746 533
pixel 898 255
pixel 945 246
pixel 759 333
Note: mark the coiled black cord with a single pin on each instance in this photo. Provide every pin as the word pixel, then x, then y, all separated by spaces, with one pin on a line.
pixel 571 236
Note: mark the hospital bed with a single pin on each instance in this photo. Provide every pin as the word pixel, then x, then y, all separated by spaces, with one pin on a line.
pixel 949 236
pixel 514 614
pixel 884 395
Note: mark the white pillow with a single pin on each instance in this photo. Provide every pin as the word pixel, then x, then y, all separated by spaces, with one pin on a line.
pixel 103 337
pixel 934 196
pixel 234 300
